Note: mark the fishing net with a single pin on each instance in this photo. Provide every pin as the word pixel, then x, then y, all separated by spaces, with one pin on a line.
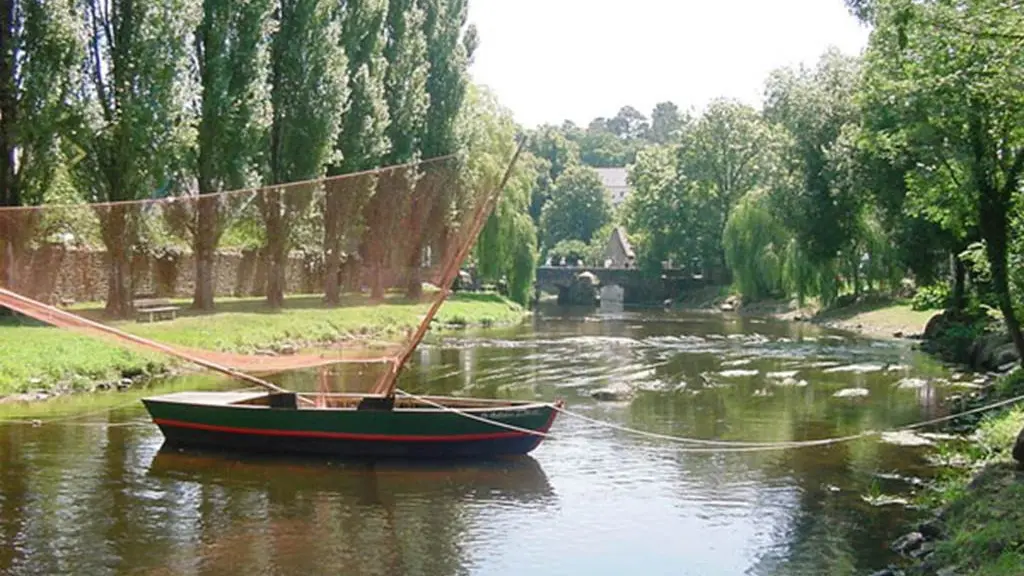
pixel 345 269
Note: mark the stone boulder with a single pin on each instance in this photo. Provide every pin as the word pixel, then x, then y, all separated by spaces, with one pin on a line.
pixel 1018 448
pixel 985 348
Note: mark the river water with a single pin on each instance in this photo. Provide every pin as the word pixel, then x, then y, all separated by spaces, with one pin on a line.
pixel 92 498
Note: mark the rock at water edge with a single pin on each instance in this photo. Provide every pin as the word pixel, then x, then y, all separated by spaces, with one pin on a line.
pixel 1018 448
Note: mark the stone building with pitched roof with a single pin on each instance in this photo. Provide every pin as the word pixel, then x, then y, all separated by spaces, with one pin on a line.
pixel 618 253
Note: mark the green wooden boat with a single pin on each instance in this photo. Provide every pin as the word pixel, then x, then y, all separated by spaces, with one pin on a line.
pixel 352 424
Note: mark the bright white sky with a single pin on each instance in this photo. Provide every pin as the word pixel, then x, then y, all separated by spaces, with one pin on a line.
pixel 551 60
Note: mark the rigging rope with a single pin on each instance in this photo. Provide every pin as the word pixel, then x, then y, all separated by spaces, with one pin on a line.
pixel 713 445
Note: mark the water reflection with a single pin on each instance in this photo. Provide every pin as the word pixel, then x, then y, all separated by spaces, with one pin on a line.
pixel 110 500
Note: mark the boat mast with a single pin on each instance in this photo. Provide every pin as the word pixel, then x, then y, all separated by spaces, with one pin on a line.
pixel 386 385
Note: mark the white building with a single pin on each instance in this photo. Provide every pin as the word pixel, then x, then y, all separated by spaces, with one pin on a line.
pixel 614 180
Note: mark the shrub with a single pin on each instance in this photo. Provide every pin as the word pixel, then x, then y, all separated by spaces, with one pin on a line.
pixel 934 297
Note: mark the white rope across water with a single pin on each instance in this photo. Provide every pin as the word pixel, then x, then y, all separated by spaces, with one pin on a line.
pixel 714 445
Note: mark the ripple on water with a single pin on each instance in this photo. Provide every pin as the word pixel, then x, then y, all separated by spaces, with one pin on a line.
pixel 863 368
pixel 739 373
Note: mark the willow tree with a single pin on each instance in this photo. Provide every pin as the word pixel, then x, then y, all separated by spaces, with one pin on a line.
pixel 755 245
pixel 38 50
pixel 361 142
pixel 307 72
pixel 952 73
pixel 450 46
pixel 230 51
pixel 132 124
pixel 507 247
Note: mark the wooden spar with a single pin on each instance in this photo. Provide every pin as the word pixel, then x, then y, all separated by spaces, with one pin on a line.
pixel 387 383
pixel 27 306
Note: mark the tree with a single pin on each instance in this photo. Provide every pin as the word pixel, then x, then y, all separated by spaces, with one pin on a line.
pixel 449 51
pixel 755 245
pixel 38 50
pixel 362 141
pixel 306 92
pixel 666 123
pixel 578 208
pixel 629 124
pixel 230 51
pixel 131 128
pixel 552 147
pixel 405 79
pixel 815 106
pixel 727 153
pixel 507 247
pixel 658 211
pixel 952 72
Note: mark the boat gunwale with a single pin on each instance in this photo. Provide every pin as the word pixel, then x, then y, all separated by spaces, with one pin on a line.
pixel 500 405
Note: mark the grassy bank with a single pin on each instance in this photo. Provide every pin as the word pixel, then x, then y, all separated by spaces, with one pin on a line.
pixel 882 318
pixel 43 358
pixel 979 497
pixel 879 317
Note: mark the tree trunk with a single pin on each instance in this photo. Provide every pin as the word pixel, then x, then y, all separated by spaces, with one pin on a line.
pixel 119 279
pixel 332 254
pixel 958 298
pixel 205 248
pixel 414 288
pixel 276 273
pixel 277 248
pixel 1002 287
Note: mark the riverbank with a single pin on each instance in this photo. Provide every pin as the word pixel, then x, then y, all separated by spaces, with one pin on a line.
pixel 38 362
pixel 873 317
pixel 978 523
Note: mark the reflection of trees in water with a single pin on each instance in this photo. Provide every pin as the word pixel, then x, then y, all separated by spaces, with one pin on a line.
pixel 13 492
pixel 351 519
pixel 831 521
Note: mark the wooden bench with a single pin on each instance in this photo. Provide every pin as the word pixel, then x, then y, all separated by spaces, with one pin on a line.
pixel 152 309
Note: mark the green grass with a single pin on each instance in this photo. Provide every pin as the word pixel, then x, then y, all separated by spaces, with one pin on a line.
pixel 878 315
pixel 36 357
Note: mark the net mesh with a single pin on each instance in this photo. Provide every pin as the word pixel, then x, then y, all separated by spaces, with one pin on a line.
pixel 343 269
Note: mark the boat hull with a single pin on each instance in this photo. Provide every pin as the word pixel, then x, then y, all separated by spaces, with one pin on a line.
pixel 408 433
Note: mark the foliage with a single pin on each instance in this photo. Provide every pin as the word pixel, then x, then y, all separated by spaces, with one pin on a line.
pixel 571 252
pixel 666 123
pixel 507 248
pixel 755 248
pixel 934 297
pixel 578 208
pixel 231 52
pixel 129 135
pixel 39 46
pixel 960 107
pixel 307 79
pixel 361 141
pixel 816 107
pixel 405 79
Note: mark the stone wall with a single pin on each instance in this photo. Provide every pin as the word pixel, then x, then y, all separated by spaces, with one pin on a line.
pixel 54 273
pixel 58 274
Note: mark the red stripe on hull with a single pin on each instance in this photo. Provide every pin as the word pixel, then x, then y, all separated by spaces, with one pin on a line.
pixel 350 435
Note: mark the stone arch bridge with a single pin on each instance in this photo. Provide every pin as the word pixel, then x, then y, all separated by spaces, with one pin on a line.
pixel 638 287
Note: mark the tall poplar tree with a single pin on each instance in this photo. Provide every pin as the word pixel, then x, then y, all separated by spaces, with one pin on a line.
pixel 405 82
pixel 450 46
pixel 38 50
pixel 307 71
pixel 132 124
pixel 231 54
pixel 362 142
